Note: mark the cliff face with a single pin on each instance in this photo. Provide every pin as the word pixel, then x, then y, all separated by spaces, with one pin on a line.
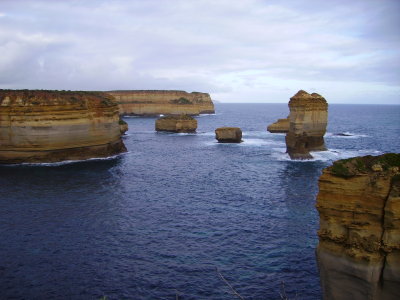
pixel 308 119
pixel 359 238
pixel 163 102
pixel 50 126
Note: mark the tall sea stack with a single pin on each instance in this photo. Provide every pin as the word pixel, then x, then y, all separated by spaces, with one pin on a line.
pixel 307 125
pixel 51 126
pixel 359 237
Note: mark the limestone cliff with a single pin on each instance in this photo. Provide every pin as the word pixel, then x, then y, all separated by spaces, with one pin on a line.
pixel 359 237
pixel 280 126
pixel 50 126
pixel 147 102
pixel 308 119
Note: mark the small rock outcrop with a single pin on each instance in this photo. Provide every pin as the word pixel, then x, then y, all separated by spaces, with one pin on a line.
pixel 228 135
pixel 280 126
pixel 123 126
pixel 308 119
pixel 177 123
pixel 359 237
pixel 154 103
pixel 50 126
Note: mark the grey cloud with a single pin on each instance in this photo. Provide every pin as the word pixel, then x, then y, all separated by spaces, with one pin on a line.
pixel 196 45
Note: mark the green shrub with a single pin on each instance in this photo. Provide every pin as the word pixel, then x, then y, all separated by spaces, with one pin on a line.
pixel 181 100
pixel 340 170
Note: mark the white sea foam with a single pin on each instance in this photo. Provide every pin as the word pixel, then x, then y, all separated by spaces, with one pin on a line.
pixel 330 155
pixel 209 133
pixel 249 143
pixel 256 134
pixel 345 135
pixel 261 142
pixel 67 162
pixel 184 133
pixel 207 115
pixel 143 132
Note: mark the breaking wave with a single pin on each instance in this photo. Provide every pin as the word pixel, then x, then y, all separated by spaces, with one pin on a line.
pixel 326 156
pixel 345 135
pixel 67 162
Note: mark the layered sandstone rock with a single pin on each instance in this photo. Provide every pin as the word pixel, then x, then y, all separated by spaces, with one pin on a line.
pixel 280 126
pixel 177 123
pixel 308 119
pixel 359 237
pixel 50 126
pixel 163 102
pixel 228 135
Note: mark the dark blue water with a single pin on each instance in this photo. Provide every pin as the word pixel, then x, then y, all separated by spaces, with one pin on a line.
pixel 156 222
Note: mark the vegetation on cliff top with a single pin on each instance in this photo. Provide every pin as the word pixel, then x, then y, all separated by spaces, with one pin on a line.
pixel 181 100
pixel 45 97
pixel 350 167
pixel 122 122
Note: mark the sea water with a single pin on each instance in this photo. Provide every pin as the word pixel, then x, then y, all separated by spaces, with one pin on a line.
pixel 169 217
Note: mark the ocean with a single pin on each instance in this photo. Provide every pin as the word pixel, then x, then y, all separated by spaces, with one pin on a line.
pixel 169 217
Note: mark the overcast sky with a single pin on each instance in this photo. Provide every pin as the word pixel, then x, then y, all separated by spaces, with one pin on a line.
pixel 237 50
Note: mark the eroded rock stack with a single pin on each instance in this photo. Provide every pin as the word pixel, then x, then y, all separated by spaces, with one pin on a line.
pixel 359 238
pixel 51 126
pixel 228 135
pixel 179 124
pixel 280 126
pixel 151 103
pixel 308 119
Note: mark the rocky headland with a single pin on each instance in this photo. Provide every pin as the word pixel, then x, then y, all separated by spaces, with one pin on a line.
pixel 153 102
pixel 177 123
pixel 51 126
pixel 228 135
pixel 308 119
pixel 359 237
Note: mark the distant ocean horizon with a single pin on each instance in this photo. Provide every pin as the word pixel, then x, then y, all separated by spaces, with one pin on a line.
pixel 285 103
pixel 158 221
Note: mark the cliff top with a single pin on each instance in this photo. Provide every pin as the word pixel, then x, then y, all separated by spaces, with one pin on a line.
pixel 304 98
pixel 228 128
pixel 53 97
pixel 154 91
pixel 177 117
pixel 351 167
